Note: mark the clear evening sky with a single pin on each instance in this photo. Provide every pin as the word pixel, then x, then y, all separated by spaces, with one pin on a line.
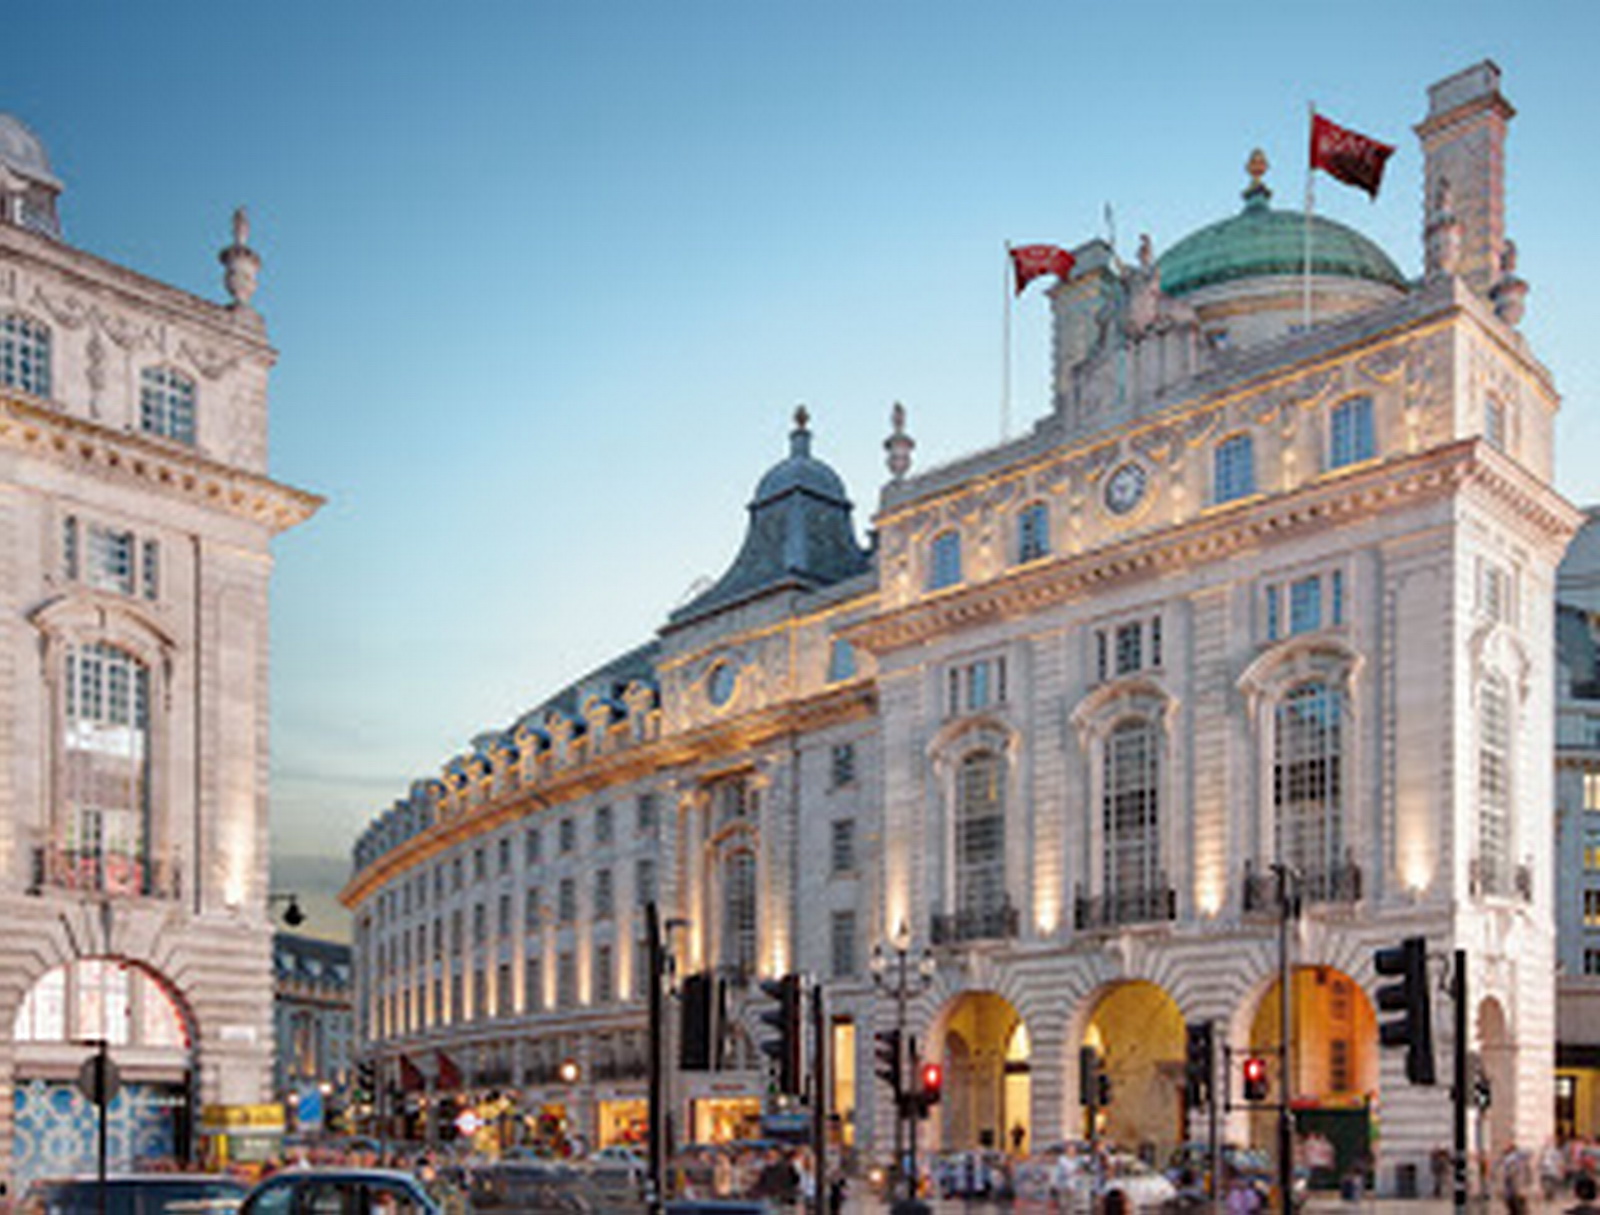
pixel 549 279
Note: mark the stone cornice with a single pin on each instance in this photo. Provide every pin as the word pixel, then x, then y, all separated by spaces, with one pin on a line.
pixel 37 430
pixel 1215 535
pixel 707 744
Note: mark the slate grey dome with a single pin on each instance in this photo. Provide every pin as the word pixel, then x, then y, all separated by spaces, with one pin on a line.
pixel 800 535
pixel 23 152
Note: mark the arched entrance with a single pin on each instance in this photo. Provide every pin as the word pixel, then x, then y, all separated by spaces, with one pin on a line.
pixel 149 1033
pixel 1497 1125
pixel 1137 1029
pixel 1334 1060
pixel 983 1043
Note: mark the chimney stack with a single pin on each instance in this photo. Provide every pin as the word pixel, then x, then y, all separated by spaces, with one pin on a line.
pixel 1463 143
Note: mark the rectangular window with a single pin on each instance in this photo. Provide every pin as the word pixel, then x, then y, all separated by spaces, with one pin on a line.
pixel 532 913
pixel 567 981
pixel 945 563
pixel 1033 532
pixel 480 865
pixel 842 846
pixel 842 765
pixel 1591 908
pixel 1351 440
pixel 1494 424
pixel 1305 605
pixel 644 881
pixel 569 835
pixel 1591 790
pixel 842 940
pixel 532 847
pixel 1102 662
pixel 480 923
pixel 1591 850
pixel 455 931
pixel 602 826
pixel 502 990
pixel 503 856
pixel 1130 648
pixel 150 570
pixel 1155 641
pixel 1274 625
pixel 69 547
pixel 110 560
pixel 1336 597
pixel 604 976
pixel 532 984
pixel 567 901
pixel 480 992
pixel 1233 467
pixel 1496 592
pixel 455 874
pixel 1591 961
pixel 644 814
pixel 604 896
pixel 503 916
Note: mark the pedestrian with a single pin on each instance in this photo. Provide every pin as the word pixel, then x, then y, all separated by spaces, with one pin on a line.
pixel 1439 1162
pixel 1514 1181
pixel 1584 1188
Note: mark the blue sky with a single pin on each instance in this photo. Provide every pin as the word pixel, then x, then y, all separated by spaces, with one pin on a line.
pixel 549 279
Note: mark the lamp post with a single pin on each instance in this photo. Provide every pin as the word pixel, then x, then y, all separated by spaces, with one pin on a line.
pixel 902 977
pixel 1288 911
pixel 293 915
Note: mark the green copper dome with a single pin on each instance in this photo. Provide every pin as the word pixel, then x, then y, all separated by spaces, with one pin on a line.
pixel 1262 242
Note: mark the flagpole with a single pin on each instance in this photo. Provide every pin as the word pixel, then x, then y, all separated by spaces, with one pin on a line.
pixel 1311 176
pixel 1005 346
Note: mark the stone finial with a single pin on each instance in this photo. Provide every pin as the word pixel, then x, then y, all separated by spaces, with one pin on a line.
pixel 1509 293
pixel 241 265
pixel 1443 237
pixel 899 444
pixel 802 417
pixel 1257 192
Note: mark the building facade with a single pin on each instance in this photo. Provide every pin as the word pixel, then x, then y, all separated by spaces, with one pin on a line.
pixel 135 519
pixel 312 1029
pixel 1270 589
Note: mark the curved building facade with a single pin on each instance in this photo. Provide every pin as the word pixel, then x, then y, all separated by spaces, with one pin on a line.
pixel 1268 592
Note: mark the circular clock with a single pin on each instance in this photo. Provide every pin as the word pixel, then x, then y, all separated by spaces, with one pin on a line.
pixel 719 684
pixel 1125 487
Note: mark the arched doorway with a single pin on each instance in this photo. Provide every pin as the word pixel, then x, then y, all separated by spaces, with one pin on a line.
pixel 149 1034
pixel 1137 1029
pixel 1497 1125
pixel 983 1044
pixel 1334 1061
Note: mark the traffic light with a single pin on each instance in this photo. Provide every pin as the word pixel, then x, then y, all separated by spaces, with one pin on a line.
pixel 783 1048
pixel 930 1086
pixel 1256 1085
pixel 1198 1064
pixel 694 1023
pixel 886 1048
pixel 1102 1088
pixel 1089 1074
pixel 366 1079
pixel 1410 997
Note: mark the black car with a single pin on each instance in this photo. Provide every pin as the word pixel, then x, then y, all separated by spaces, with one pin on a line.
pixel 135 1194
pixel 339 1192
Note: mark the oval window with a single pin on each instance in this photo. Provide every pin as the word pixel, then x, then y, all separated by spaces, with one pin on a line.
pixel 719 684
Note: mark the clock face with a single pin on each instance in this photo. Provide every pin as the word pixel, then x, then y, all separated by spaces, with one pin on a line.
pixel 1125 487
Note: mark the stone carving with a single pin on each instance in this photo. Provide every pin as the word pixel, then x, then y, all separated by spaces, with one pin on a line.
pixel 1509 293
pixel 209 361
pixel 241 265
pixel 899 445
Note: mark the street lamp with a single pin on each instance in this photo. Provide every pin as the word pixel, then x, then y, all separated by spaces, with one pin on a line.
pixel 293 915
pixel 896 972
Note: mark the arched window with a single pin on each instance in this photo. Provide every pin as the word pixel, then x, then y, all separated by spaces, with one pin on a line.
pixel 1308 781
pixel 105 829
pixel 1350 434
pixel 739 911
pixel 101 998
pixel 24 354
pixel 1494 785
pixel 1132 806
pixel 1233 469
pixel 944 560
pixel 166 404
pixel 1033 532
pixel 980 834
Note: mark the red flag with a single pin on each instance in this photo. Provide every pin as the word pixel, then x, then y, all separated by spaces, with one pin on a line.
pixel 1348 156
pixel 1030 261
pixel 411 1077
pixel 449 1073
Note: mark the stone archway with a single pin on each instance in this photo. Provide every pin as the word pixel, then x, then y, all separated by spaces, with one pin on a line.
pixel 1497 1057
pixel 1137 1029
pixel 983 1044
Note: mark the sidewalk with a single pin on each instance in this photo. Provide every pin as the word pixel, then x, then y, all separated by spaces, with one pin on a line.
pixel 1319 1204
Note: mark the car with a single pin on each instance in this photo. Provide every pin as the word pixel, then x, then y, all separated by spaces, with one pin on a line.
pixel 1142 1188
pixel 135 1194
pixel 619 1158
pixel 339 1192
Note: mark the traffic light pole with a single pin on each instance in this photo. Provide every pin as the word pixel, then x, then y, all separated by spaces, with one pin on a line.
pixel 1287 909
pixel 819 1103
pixel 1458 989
pixel 657 1113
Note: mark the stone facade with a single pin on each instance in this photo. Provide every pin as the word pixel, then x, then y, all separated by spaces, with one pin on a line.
pixel 1271 586
pixel 135 522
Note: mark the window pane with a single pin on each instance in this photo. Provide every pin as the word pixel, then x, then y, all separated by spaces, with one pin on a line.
pixel 1234 473
pixel 1351 440
pixel 1308 779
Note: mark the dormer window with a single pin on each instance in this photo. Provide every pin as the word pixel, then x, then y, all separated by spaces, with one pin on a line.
pixel 1233 470
pixel 944 564
pixel 1033 532
pixel 1350 435
pixel 24 354
pixel 166 404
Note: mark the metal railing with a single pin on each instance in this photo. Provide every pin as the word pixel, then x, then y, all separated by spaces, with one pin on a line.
pixel 1116 908
pixel 97 872
pixel 1336 883
pixel 974 924
pixel 1500 880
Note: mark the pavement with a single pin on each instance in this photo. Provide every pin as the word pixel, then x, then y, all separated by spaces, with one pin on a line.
pixel 1331 1204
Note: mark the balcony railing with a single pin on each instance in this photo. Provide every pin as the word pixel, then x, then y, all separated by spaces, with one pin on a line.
pixel 1500 880
pixel 110 873
pixel 1336 883
pixel 974 924
pixel 1115 909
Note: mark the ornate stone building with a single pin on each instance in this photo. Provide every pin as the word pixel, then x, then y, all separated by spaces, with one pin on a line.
pixel 1270 586
pixel 135 519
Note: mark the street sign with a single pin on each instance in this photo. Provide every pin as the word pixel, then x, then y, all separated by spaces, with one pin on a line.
pixel 97 1085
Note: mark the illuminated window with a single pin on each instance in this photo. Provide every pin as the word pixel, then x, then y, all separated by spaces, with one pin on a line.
pixel 1308 778
pixel 1591 790
pixel 1591 850
pixel 1132 821
pixel 1591 908
pixel 980 829
pixel 24 354
pixel 106 774
pixel 739 911
pixel 166 404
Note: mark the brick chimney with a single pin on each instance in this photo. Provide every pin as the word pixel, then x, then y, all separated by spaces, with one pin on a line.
pixel 1463 142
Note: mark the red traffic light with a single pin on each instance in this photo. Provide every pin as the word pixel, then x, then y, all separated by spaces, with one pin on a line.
pixel 932 1079
pixel 1255 1078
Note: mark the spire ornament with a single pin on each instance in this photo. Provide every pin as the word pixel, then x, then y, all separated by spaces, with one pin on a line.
pixel 899 444
pixel 1509 295
pixel 241 265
